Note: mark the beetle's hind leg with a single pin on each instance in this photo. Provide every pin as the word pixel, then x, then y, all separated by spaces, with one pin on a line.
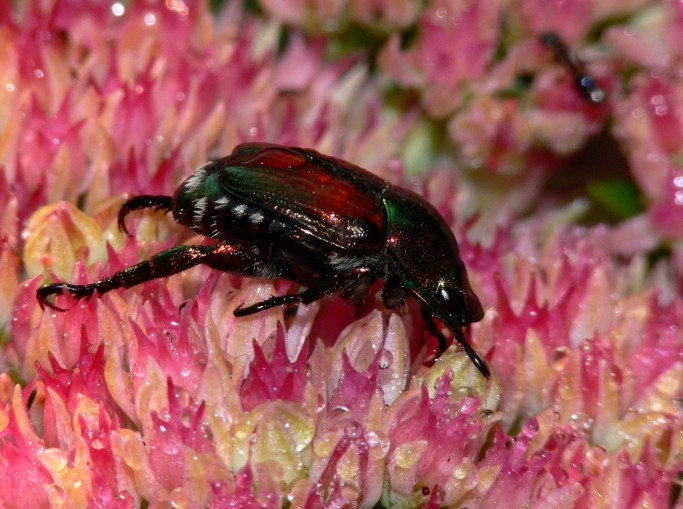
pixel 159 202
pixel 166 263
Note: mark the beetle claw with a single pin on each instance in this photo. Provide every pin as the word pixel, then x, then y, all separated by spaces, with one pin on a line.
pixel 122 221
pixel 44 292
pixel 160 202
pixel 48 290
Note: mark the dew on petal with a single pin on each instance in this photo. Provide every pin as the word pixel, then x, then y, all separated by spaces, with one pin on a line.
pixel 386 359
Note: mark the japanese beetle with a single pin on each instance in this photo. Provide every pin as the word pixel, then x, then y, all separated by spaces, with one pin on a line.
pixel 323 223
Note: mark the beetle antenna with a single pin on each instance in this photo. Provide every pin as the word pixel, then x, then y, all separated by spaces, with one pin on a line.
pixel 474 357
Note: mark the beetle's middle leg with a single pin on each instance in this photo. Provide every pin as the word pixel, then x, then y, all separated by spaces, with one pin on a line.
pixel 171 261
pixel 159 202
pixel 350 283
pixel 305 297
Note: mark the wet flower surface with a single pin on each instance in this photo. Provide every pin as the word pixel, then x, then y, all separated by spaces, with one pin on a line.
pixel 568 213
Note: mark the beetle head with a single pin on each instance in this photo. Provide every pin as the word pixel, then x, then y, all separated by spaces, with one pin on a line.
pixel 427 259
pixel 455 296
pixel 449 297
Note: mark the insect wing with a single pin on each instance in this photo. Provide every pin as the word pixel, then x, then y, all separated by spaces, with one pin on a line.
pixel 329 199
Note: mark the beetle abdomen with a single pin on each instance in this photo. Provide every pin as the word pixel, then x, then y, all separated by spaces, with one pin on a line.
pixel 190 200
pixel 200 205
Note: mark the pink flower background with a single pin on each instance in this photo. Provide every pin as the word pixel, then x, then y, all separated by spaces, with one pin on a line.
pixel 569 215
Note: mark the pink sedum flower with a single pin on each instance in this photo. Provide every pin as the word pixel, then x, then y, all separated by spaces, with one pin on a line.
pixel 319 16
pixel 435 442
pixel 23 453
pixel 431 65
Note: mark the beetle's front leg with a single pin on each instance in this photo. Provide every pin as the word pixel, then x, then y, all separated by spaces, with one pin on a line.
pixel 392 294
pixel 166 263
pixel 434 330
pixel 159 202
pixel 460 336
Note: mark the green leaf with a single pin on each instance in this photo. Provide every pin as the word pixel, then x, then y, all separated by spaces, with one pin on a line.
pixel 620 196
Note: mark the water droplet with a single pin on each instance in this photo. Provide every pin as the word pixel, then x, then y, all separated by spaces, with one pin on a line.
pixel 560 437
pixel 565 391
pixel 541 454
pixel 462 393
pixel 170 447
pixel 469 405
pixel 624 463
pixel 530 428
pixel 186 417
pixel 350 490
pixel 354 429
pixel 338 412
pixel 179 498
pixel 597 457
pixel 379 442
pixel 118 9
pixel 386 359
pixel 581 422
pixel 661 110
pixel 218 486
pixel 322 402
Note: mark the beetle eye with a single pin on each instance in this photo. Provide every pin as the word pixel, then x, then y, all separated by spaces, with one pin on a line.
pixel 446 292
pixel 459 298
pixel 445 295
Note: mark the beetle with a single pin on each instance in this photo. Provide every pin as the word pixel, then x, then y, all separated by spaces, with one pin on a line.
pixel 324 223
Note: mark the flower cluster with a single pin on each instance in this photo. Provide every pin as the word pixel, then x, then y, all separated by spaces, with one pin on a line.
pixel 567 207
